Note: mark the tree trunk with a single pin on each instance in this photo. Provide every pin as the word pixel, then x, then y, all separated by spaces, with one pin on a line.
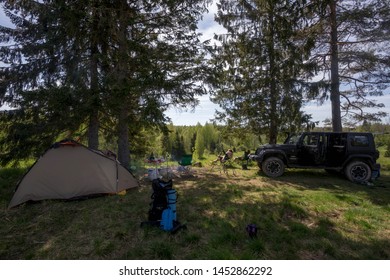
pixel 123 70
pixel 93 131
pixel 273 129
pixel 334 71
pixel 93 126
pixel 123 138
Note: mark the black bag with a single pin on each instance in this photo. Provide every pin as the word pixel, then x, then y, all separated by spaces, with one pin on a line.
pixel 160 199
pixel 251 229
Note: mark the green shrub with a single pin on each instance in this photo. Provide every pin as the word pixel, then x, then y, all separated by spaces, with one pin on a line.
pixel 387 153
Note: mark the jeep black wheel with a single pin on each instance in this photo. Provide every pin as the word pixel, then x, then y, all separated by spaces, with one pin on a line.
pixel 273 167
pixel 358 172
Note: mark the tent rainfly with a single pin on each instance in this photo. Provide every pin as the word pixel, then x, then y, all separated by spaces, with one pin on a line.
pixel 70 170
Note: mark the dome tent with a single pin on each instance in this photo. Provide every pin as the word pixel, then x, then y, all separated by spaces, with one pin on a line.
pixel 69 170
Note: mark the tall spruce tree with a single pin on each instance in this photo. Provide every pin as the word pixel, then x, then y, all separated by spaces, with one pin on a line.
pixel 259 79
pixel 51 73
pixel 351 56
pixel 156 61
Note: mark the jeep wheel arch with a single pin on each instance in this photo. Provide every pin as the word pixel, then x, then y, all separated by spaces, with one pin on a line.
pixel 273 167
pixel 358 171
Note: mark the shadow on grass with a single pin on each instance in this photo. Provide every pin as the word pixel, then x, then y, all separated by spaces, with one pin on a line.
pixel 287 227
pixel 302 215
pixel 378 192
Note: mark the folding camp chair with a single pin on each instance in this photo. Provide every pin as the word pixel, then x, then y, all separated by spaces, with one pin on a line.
pixel 228 164
pixel 185 163
pixel 223 164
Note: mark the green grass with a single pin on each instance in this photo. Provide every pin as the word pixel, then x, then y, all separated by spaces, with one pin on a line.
pixel 384 161
pixel 305 214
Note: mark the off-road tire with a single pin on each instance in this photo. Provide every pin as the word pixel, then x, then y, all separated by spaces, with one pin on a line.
pixel 358 172
pixel 273 167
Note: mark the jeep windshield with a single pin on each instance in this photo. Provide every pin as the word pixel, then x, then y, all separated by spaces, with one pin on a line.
pixel 292 139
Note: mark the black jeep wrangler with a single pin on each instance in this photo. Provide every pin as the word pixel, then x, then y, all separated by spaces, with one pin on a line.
pixel 351 153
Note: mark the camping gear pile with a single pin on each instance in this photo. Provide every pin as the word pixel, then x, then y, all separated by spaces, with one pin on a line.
pixel 162 212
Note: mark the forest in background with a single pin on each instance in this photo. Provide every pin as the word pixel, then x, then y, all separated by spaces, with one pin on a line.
pixel 203 141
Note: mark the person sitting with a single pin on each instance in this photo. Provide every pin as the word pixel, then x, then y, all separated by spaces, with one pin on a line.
pixel 228 155
pixel 219 158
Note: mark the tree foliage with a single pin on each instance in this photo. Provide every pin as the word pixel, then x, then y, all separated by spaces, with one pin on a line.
pixel 119 64
pixel 351 57
pixel 260 62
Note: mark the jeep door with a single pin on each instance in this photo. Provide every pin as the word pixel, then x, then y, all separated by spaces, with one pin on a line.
pixel 312 149
pixel 336 150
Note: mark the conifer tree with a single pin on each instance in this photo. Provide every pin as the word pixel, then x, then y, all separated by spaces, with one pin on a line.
pixel 50 77
pixel 351 57
pixel 120 63
pixel 200 143
pixel 259 79
pixel 157 62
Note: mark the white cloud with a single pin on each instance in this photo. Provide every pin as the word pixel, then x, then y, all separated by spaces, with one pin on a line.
pixel 208 27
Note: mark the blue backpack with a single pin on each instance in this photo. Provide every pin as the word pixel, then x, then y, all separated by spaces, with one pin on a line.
pixel 163 206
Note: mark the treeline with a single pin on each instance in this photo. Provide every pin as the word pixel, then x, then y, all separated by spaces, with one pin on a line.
pixel 200 141
pixel 209 139
pixel 106 71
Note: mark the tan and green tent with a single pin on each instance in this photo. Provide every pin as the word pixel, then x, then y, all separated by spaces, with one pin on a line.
pixel 70 170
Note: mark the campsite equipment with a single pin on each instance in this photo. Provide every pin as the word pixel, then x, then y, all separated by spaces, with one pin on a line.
pixel 172 199
pixel 159 197
pixel 153 174
pixel 185 162
pixel 69 170
pixel 162 212
pixel 251 229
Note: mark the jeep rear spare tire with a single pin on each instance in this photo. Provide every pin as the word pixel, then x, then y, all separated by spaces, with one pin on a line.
pixel 358 172
pixel 273 167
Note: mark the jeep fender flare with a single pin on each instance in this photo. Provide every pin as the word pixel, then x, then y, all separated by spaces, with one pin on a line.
pixel 360 157
pixel 273 153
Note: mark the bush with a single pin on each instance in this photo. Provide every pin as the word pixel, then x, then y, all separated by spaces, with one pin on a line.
pixel 387 153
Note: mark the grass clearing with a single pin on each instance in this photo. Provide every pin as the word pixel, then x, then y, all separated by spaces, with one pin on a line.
pixel 305 214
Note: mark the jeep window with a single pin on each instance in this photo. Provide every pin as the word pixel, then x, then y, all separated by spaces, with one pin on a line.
pixel 337 140
pixel 293 139
pixel 359 141
pixel 310 140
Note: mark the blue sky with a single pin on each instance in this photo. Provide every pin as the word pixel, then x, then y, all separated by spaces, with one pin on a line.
pixel 204 112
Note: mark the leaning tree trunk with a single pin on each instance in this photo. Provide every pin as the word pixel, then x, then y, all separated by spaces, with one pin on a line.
pixel 334 71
